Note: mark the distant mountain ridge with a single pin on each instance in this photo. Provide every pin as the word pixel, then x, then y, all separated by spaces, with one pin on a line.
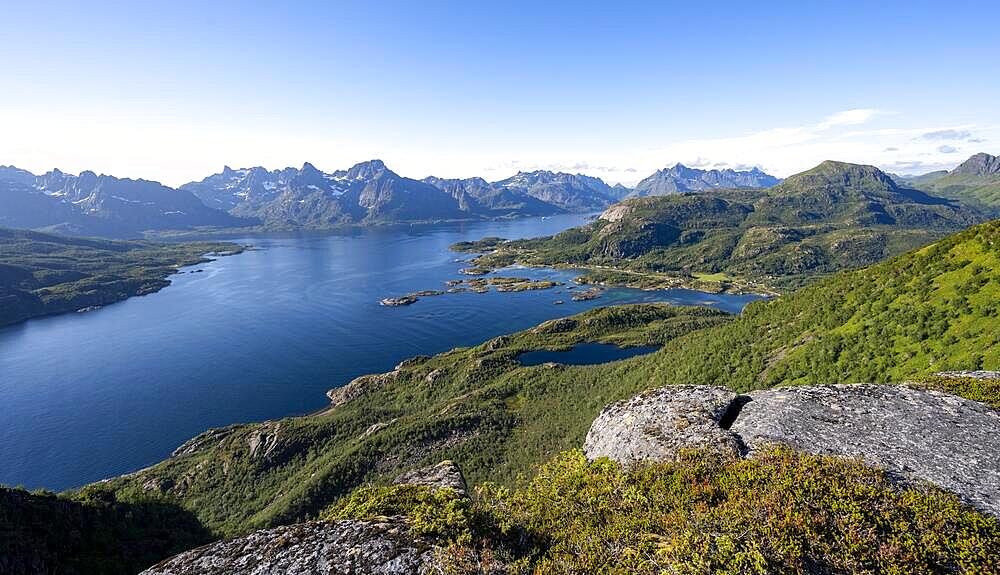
pixel 975 181
pixel 681 179
pixel 369 192
pixel 91 204
pixel 832 217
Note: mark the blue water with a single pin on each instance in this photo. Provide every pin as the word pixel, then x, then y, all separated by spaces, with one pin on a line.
pixel 256 336
pixel 584 354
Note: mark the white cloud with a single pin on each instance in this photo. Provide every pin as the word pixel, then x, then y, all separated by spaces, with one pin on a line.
pixel 848 118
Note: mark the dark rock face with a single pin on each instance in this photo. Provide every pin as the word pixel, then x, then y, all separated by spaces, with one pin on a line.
pixel 979 165
pixel 914 434
pixel 316 548
pixel 443 475
pixel 657 424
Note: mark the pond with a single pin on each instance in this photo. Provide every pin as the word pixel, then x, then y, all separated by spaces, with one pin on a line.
pixel 585 354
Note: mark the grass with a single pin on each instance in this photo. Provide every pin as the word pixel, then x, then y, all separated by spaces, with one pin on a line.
pixel 780 512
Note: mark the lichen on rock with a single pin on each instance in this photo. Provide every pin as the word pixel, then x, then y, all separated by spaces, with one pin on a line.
pixel 916 435
pixel 375 547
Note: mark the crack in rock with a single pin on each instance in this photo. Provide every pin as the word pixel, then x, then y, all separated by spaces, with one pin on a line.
pixel 913 434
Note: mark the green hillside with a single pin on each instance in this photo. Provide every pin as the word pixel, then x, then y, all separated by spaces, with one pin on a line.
pixel 836 216
pixel 926 311
pixel 975 181
pixel 978 190
pixel 43 274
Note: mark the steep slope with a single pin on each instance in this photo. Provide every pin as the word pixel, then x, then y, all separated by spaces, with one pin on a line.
pixel 476 195
pixel 975 181
pixel 930 310
pixel 835 216
pixel 474 405
pixel 680 179
pixel 377 194
pixel 370 193
pixel 101 205
pixel 42 274
pixel 570 192
pixel 245 190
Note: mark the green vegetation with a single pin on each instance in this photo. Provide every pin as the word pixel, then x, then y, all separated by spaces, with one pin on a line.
pixel 43 274
pixel 834 217
pixel 931 310
pixel 934 309
pixel 780 512
pixel 94 532
pixel 477 405
pixel 435 512
pixel 982 190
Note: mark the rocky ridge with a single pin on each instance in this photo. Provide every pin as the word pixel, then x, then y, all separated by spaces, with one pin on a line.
pixel 382 546
pixel 916 435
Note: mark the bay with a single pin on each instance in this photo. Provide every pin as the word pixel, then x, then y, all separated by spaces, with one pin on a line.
pixel 256 336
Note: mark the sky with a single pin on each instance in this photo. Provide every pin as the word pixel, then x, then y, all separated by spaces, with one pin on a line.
pixel 173 91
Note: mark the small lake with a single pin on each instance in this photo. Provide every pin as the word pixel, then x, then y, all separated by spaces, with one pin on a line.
pixel 585 354
pixel 256 336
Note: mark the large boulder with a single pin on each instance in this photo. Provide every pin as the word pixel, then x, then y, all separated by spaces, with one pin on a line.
pixel 443 475
pixel 347 547
pixel 929 435
pixel 916 435
pixel 657 424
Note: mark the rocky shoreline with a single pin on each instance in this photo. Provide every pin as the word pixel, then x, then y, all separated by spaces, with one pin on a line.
pixel 476 285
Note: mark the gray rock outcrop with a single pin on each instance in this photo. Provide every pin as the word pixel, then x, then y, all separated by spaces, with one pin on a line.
pixel 443 475
pixel 657 424
pixel 346 547
pixel 914 434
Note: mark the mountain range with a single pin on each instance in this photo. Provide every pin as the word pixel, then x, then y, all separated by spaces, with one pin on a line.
pixel 367 193
pixel 89 204
pixel 680 179
pixel 832 217
pixel 370 192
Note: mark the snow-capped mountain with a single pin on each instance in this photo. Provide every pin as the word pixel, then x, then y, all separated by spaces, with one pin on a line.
pixel 681 179
pixel 100 205
pixel 369 192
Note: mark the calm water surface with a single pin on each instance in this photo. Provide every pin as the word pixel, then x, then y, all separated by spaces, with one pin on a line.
pixel 256 336
pixel 585 354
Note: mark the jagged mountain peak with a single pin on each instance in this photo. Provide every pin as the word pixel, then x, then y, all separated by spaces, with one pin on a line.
pixel 367 170
pixel 980 164
pixel 682 179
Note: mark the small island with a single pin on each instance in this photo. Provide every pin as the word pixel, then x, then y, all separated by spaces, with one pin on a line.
pixel 474 285
pixel 398 301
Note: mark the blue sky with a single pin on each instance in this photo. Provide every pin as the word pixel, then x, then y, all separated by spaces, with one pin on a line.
pixel 173 91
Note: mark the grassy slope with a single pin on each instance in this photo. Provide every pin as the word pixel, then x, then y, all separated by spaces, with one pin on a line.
pixel 475 405
pixel 926 311
pixel 983 191
pixel 931 310
pixel 42 274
